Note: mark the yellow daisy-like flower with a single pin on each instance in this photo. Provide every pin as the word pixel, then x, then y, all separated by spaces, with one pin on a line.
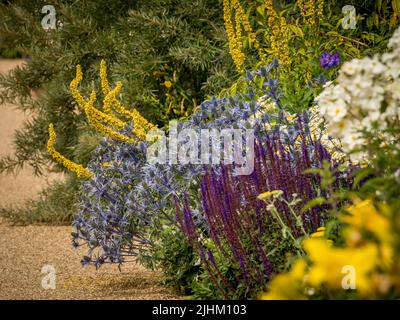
pixel 268 194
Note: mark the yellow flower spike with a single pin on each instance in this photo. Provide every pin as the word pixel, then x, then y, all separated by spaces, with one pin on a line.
pixel 311 10
pixel 81 102
pixel 269 6
pixel 308 12
pixel 238 29
pixel 243 20
pixel 331 264
pixel 100 120
pixel 236 53
pixel 283 52
pixel 103 77
pixel 103 117
pixel 70 165
pixel 320 9
pixel 279 37
pixel 110 97
pixel 74 87
pixel 288 286
pixel 141 125
pixel 302 7
pixel 113 134
pixel 94 119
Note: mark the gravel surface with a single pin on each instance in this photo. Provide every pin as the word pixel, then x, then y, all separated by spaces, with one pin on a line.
pixel 24 251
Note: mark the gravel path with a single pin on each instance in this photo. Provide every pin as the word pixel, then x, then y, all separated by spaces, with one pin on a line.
pixel 24 251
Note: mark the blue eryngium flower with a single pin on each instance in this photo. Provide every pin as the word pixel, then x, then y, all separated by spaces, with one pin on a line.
pixel 328 61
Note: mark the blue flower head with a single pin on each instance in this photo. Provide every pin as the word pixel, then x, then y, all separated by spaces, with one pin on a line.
pixel 329 61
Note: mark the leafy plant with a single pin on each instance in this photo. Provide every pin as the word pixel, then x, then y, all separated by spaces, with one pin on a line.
pixel 56 205
pixel 177 260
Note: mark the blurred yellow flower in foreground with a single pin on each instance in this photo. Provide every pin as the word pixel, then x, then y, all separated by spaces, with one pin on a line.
pixel 329 263
pixel 364 216
pixel 288 285
pixel 366 262
pixel 320 233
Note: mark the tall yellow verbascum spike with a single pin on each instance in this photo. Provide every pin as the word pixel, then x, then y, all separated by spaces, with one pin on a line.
pixel 110 97
pixel 141 125
pixel 103 77
pixel 284 54
pixel 73 87
pixel 102 120
pixel 320 9
pixel 307 10
pixel 99 120
pixel 70 165
pixel 95 121
pixel 244 21
pixel 236 53
pixel 269 6
pixel 233 9
pixel 101 116
pixel 279 37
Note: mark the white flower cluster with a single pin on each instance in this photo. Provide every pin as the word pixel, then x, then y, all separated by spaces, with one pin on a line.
pixel 332 145
pixel 365 97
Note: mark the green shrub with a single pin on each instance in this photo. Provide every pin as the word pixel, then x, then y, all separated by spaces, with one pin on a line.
pixel 55 205
pixel 176 258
